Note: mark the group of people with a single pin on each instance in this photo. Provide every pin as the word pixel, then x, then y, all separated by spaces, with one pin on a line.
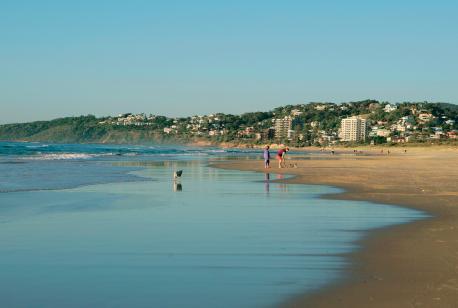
pixel 281 154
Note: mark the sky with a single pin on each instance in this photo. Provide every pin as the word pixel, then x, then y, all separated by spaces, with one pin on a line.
pixel 179 58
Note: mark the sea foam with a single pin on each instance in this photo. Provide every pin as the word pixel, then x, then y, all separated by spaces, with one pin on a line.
pixel 60 156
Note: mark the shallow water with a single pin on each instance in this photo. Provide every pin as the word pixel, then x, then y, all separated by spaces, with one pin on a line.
pixel 215 238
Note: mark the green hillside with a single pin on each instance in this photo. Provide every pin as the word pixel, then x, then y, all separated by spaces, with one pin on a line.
pixel 312 123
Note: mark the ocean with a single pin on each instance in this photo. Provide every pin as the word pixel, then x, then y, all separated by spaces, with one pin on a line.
pixel 107 226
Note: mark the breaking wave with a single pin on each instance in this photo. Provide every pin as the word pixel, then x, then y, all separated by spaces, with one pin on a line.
pixel 60 156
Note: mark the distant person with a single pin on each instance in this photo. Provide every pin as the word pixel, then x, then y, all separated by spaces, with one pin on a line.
pixel 266 157
pixel 281 157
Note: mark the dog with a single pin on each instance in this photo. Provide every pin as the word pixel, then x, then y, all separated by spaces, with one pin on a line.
pixel 177 174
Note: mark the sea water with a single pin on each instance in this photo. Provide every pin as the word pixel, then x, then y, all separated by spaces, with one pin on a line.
pixel 107 226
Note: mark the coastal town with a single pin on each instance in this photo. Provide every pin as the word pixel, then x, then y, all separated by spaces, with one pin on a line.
pixel 319 124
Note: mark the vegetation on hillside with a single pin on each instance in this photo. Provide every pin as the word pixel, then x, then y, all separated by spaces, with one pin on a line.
pixel 313 123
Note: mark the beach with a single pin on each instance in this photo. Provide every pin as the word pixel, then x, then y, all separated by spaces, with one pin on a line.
pixel 409 265
pixel 88 225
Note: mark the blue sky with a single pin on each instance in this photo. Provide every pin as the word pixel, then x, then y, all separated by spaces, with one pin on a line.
pixel 61 58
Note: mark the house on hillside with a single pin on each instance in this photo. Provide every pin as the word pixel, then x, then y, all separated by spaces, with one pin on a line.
pixel 390 108
pixel 425 117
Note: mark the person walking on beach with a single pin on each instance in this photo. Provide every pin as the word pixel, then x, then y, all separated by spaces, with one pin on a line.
pixel 266 157
pixel 281 157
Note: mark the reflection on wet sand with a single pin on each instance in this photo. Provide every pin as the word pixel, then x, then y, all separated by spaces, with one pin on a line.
pixel 282 186
pixel 266 181
pixel 177 186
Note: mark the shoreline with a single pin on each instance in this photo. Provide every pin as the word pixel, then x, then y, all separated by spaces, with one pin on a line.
pixel 413 264
pixel 243 145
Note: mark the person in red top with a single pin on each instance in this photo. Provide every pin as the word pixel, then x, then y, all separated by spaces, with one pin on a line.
pixel 281 157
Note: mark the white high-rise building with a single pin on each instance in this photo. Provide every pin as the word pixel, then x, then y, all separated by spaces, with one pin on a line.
pixel 283 127
pixel 353 129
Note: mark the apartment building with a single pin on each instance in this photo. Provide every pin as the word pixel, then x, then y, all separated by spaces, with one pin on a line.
pixel 283 127
pixel 353 129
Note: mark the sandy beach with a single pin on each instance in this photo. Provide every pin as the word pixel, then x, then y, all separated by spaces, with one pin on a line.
pixel 412 265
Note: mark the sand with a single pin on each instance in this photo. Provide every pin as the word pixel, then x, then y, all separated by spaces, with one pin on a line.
pixel 410 265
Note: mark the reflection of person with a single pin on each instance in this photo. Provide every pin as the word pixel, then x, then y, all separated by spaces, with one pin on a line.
pixel 266 181
pixel 281 157
pixel 266 157
pixel 281 185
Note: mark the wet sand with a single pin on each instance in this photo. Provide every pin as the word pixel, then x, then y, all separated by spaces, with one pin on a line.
pixel 411 265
